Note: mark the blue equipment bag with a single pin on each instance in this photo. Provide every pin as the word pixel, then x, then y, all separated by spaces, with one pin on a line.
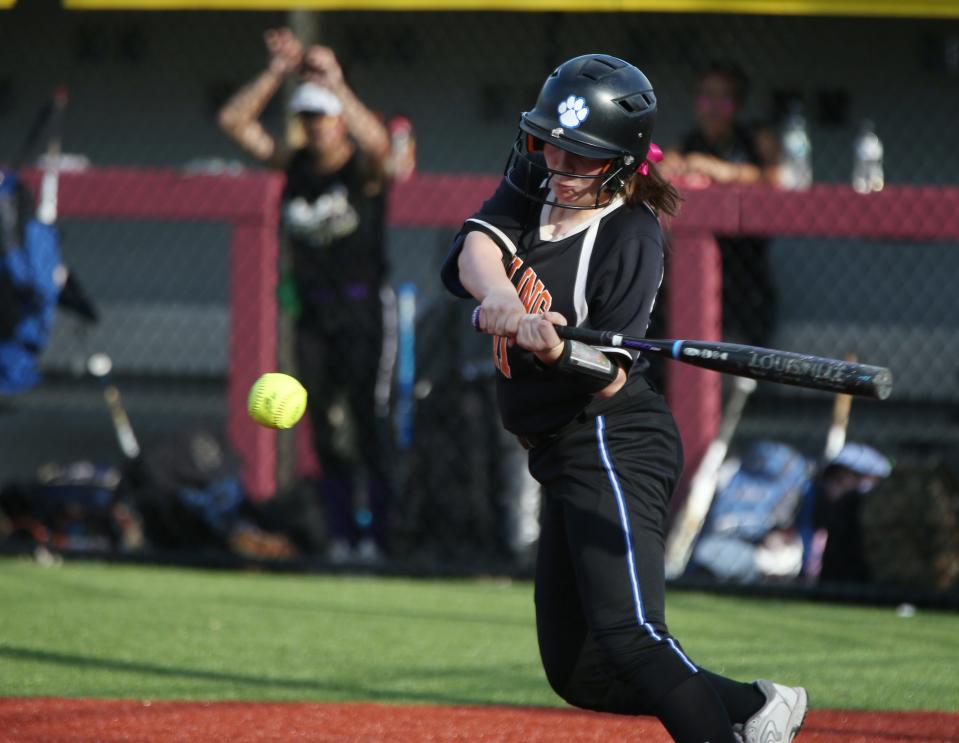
pixel 29 263
pixel 762 495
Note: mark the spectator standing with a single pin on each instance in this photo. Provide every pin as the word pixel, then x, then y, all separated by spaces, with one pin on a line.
pixel 333 219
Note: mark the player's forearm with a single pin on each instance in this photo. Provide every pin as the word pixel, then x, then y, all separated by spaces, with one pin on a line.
pixel 480 265
pixel 613 387
pixel 594 372
pixel 723 171
pixel 249 101
pixel 772 174
pixel 240 114
pixel 368 131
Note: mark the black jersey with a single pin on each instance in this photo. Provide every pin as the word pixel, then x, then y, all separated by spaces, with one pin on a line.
pixel 604 275
pixel 334 223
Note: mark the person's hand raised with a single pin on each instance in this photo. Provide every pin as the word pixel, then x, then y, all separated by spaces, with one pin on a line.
pixel 286 53
pixel 321 67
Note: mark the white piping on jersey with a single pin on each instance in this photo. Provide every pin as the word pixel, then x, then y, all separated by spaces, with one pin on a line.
pixel 662 275
pixel 504 240
pixel 576 295
pixel 591 226
pixel 579 288
pixel 662 271
pixel 613 349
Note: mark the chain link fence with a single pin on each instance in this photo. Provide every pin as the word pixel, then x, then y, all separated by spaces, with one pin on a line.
pixel 823 270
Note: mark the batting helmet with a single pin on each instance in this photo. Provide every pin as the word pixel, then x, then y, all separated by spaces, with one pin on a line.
pixel 596 106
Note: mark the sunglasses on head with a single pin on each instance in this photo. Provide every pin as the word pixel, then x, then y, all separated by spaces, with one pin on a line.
pixel 724 104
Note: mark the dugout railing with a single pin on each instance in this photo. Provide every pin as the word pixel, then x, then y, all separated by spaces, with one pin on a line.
pixel 248 204
pixel 436 203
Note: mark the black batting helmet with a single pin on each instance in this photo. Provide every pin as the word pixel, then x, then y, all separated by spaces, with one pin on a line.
pixel 596 106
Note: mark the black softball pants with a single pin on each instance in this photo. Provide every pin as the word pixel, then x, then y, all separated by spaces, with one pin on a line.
pixel 338 351
pixel 600 579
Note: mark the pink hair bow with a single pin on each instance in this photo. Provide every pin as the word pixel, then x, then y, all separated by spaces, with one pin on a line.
pixel 655 154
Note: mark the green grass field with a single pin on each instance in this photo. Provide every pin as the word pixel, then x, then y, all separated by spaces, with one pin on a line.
pixel 157 633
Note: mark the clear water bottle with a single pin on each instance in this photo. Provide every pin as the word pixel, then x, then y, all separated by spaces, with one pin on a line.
pixel 796 165
pixel 402 161
pixel 867 174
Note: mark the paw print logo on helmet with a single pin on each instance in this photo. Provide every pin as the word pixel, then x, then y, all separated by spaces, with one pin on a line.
pixel 572 111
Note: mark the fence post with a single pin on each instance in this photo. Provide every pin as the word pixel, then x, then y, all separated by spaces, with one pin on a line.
pixel 253 329
pixel 693 312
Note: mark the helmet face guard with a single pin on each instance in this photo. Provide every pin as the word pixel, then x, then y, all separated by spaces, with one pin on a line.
pixel 522 167
pixel 595 106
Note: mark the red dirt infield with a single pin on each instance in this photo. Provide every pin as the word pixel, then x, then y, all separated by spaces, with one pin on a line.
pixel 55 720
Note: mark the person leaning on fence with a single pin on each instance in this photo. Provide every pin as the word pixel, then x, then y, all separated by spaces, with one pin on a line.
pixel 333 219
pixel 721 148
pixel 830 523
pixel 572 235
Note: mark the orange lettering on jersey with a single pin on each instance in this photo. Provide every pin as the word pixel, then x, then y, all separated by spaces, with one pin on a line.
pixel 535 298
pixel 542 304
pixel 526 280
pixel 513 267
pixel 531 292
pixel 500 359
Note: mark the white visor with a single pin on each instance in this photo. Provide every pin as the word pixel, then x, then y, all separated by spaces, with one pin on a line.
pixel 863 460
pixel 314 99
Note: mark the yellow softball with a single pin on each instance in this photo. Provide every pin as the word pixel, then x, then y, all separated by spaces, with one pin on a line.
pixel 276 400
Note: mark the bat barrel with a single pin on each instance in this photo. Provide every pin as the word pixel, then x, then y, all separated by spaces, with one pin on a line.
pixel 785 367
pixel 764 364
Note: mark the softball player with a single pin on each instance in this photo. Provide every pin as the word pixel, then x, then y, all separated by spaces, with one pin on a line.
pixel 572 235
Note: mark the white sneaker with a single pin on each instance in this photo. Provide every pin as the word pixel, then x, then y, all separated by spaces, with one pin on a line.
pixel 367 551
pixel 780 718
pixel 338 551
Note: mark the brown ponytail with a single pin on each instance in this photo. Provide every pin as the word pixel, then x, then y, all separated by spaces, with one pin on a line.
pixel 653 189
